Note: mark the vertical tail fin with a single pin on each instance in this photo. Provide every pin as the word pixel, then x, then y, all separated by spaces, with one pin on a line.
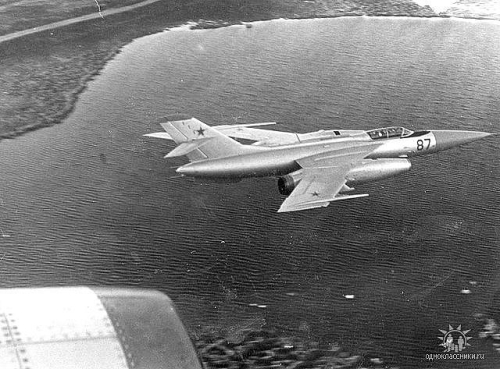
pixel 185 131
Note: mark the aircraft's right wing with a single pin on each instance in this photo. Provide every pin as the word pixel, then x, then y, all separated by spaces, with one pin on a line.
pixel 323 177
pixel 92 328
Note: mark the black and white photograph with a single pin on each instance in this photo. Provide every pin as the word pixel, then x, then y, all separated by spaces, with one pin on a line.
pixel 249 184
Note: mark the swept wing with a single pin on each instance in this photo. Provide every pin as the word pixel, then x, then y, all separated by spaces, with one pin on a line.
pixel 265 137
pixel 323 177
pixel 261 136
pixel 232 130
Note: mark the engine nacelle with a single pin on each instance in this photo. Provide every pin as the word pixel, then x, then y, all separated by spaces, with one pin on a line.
pixel 287 184
pixel 373 170
pixel 363 172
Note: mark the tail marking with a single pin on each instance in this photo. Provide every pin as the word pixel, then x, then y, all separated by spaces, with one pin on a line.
pixel 199 141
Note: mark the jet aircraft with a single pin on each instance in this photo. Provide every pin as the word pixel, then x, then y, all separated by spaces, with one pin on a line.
pixel 313 169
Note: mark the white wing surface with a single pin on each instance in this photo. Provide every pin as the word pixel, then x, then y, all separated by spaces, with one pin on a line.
pixel 323 177
pixel 41 330
pixel 98 328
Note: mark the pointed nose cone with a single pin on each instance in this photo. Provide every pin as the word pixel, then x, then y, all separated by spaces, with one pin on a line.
pixel 448 139
pixel 185 170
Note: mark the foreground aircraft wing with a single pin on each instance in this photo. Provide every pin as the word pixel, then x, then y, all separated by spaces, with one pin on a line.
pixel 323 177
pixel 163 135
pixel 92 328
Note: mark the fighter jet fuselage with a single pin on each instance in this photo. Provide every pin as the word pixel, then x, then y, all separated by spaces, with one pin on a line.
pixel 315 168
pixel 258 161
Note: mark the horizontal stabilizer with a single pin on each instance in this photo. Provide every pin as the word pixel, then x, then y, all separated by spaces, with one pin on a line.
pixel 210 143
pixel 244 125
pixel 163 135
pixel 187 147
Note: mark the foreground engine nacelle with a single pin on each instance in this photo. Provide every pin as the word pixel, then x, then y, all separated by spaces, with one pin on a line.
pixel 373 170
pixel 365 171
pixel 287 184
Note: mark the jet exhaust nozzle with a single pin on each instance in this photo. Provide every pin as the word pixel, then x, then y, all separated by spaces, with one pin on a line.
pixel 287 184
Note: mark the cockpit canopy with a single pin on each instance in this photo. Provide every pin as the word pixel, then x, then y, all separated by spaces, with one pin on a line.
pixel 389 132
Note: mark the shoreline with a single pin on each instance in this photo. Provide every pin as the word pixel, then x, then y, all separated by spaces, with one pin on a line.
pixel 66 59
pixel 44 73
pixel 205 24
pixel 69 105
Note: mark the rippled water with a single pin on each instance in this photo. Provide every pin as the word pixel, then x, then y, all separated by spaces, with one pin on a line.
pixel 93 202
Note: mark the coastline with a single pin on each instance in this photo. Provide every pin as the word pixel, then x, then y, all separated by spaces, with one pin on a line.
pixel 204 24
pixel 44 73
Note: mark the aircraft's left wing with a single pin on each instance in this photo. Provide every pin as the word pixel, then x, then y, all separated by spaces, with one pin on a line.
pixel 261 136
pixel 323 177
pixel 241 131
pixel 266 137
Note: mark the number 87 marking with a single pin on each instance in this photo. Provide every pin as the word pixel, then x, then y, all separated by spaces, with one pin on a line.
pixel 421 146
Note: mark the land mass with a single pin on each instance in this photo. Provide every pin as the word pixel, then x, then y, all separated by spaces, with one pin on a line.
pixel 47 58
pixel 43 72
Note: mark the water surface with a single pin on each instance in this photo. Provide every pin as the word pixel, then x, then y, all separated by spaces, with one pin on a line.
pixel 93 202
